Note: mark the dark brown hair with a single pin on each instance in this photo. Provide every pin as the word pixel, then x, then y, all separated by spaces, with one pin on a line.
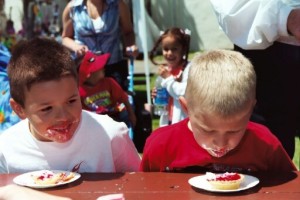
pixel 181 37
pixel 35 61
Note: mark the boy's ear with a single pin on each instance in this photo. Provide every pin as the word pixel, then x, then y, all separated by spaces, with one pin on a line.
pixel 254 102
pixel 183 104
pixel 17 108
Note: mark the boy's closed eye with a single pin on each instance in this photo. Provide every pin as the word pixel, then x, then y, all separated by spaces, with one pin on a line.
pixel 46 109
pixel 207 131
pixel 72 101
pixel 233 132
pixel 49 108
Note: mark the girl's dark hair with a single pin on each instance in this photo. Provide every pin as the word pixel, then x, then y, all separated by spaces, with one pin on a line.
pixel 180 35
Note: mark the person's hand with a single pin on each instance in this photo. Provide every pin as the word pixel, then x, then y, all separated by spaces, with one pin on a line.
pixel 153 92
pixel 80 50
pixel 293 23
pixel 132 51
pixel 164 71
pixel 14 192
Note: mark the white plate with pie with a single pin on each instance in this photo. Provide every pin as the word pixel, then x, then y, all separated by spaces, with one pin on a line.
pixel 42 179
pixel 202 183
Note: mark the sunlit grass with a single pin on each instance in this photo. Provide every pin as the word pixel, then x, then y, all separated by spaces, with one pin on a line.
pixel 297 153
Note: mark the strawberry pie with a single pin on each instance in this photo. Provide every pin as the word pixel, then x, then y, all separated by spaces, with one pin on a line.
pixel 225 181
pixel 47 177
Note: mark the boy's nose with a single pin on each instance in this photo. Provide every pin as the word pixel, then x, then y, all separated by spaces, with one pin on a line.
pixel 221 143
pixel 62 114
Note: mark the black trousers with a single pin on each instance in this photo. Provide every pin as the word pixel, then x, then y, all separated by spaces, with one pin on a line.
pixel 278 90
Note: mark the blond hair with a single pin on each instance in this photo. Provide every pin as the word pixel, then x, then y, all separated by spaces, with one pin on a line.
pixel 220 82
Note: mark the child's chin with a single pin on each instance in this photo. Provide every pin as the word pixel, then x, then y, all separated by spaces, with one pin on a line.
pixel 217 154
pixel 62 138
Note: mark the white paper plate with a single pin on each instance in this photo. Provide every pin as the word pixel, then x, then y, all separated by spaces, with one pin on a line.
pixel 201 183
pixel 27 180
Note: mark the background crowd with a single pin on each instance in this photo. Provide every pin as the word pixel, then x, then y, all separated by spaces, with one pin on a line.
pixel 228 110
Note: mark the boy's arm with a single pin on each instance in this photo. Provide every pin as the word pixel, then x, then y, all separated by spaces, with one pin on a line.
pixel 131 113
pixel 3 165
pixel 125 155
pixel 280 161
pixel 154 156
pixel 120 96
pixel 144 166
pixel 14 192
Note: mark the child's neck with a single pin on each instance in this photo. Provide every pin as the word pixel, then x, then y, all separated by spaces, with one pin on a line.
pixel 181 64
pixel 175 70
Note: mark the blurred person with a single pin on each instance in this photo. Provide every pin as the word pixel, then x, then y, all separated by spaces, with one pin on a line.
pixel 7 116
pixel 3 19
pixel 101 26
pixel 14 192
pixel 174 43
pixel 268 33
pixel 103 95
pixel 43 19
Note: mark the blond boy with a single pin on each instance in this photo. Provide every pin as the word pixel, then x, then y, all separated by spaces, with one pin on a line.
pixel 218 135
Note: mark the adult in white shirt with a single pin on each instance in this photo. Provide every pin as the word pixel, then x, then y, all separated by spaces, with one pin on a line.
pixel 268 32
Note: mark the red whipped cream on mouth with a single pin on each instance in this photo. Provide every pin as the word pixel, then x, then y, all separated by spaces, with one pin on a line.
pixel 216 152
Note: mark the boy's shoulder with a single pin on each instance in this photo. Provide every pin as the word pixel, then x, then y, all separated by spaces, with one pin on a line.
pixel 96 122
pixel 262 133
pixel 15 131
pixel 92 118
pixel 170 133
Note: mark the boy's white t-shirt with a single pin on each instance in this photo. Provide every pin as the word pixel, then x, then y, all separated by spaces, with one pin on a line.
pixel 98 145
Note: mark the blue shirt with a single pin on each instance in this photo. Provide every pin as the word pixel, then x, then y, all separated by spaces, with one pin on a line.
pixel 108 39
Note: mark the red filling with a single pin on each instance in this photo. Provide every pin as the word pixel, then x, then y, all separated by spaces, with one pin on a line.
pixel 42 177
pixel 228 177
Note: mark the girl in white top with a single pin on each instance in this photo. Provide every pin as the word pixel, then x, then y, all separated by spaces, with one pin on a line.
pixel 174 72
